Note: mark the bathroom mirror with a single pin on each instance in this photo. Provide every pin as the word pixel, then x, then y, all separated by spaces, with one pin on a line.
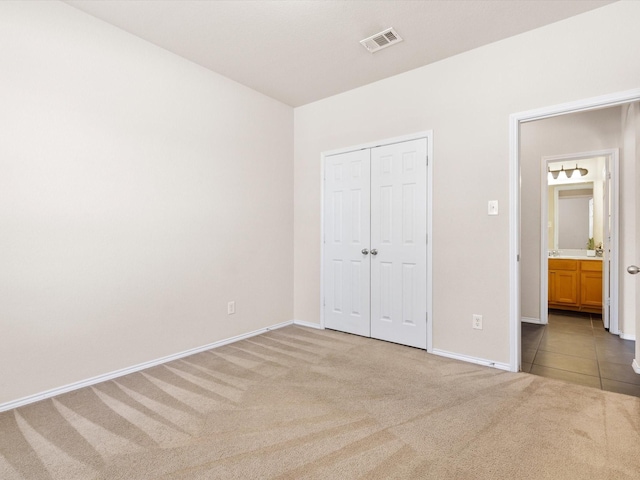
pixel 574 216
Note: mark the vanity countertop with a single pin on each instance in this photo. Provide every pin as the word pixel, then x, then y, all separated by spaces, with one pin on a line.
pixel 576 257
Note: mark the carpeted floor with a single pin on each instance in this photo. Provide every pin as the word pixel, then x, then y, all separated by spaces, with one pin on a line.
pixel 302 403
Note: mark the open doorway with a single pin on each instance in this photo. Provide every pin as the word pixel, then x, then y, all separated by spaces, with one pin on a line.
pixel 584 129
pixel 579 233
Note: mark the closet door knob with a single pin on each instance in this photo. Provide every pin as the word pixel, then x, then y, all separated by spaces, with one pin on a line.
pixel 374 251
pixel 365 251
pixel 632 269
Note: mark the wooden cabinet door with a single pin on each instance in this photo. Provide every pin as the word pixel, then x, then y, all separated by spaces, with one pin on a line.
pixel 591 286
pixel 575 284
pixel 564 282
pixel 552 287
pixel 566 287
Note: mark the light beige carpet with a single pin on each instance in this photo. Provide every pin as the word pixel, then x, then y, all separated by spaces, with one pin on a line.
pixel 302 403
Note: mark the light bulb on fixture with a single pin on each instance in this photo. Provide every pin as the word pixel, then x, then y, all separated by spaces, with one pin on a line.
pixel 561 172
pixel 576 170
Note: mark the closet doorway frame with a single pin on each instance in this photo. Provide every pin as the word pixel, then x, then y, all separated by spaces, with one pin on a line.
pixel 515 120
pixel 428 134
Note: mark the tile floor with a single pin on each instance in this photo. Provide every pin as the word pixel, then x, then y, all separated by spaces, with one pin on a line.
pixel 576 348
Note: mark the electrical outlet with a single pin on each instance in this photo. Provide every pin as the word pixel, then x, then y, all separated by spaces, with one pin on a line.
pixel 477 322
pixel 231 308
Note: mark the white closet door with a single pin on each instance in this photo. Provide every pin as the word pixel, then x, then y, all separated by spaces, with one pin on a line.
pixel 399 236
pixel 346 236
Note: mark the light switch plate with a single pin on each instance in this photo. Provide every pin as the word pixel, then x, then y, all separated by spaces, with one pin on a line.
pixel 493 207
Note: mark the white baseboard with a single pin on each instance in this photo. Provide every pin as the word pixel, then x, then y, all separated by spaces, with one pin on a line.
pixel 302 323
pixel 531 320
pixel 136 368
pixel 477 361
pixel 636 366
pixel 625 336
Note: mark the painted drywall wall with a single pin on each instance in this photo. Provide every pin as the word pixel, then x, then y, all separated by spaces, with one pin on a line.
pixel 467 101
pixel 139 193
pixel 566 134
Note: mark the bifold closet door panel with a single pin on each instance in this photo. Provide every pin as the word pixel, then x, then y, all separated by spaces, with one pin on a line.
pixel 399 241
pixel 346 242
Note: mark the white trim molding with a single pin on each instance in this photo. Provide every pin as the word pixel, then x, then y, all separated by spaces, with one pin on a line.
pixel 135 368
pixel 532 320
pixel 470 359
pixel 626 336
pixel 302 323
pixel 636 366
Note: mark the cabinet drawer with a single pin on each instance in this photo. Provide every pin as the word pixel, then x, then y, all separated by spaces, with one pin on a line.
pixel 591 265
pixel 562 264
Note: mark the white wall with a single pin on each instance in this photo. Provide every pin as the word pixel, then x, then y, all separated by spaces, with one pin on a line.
pixel 139 193
pixel 566 134
pixel 466 100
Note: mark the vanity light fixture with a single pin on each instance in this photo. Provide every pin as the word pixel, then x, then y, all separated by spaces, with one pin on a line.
pixel 582 171
pixel 569 172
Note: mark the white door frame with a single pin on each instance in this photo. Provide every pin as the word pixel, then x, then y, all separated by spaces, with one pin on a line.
pixel 611 161
pixel 515 120
pixel 428 134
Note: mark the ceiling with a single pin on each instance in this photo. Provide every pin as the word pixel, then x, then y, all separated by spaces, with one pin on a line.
pixel 300 51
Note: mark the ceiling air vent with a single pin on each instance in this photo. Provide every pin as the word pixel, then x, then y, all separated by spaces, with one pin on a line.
pixel 381 40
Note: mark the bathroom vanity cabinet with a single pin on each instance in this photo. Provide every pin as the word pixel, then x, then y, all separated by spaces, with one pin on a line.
pixel 575 284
